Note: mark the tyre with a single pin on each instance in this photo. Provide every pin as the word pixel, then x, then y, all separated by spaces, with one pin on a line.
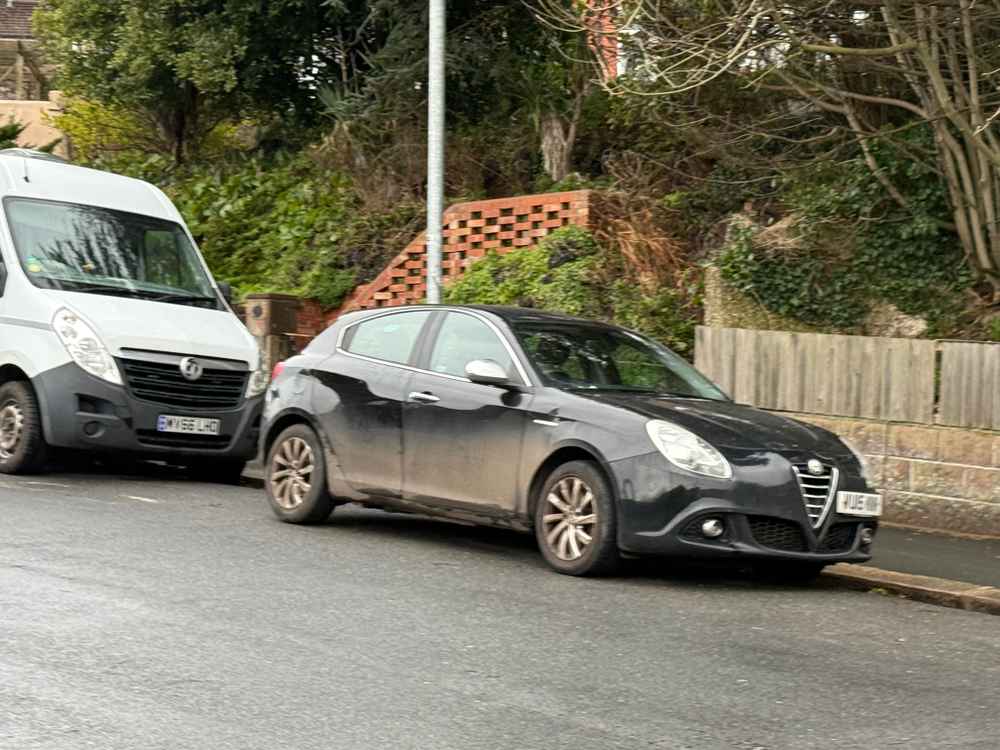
pixel 575 521
pixel 219 471
pixel 22 444
pixel 295 477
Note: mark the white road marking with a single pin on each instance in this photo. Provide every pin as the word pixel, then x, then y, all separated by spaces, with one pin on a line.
pixel 142 499
pixel 48 484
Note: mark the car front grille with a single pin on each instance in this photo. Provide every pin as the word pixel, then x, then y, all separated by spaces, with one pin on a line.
pixel 839 538
pixel 817 491
pixel 777 533
pixel 163 383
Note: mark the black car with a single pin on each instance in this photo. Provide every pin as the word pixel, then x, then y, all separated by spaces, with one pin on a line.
pixel 600 441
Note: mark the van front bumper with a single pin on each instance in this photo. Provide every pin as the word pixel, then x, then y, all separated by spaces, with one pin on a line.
pixel 83 412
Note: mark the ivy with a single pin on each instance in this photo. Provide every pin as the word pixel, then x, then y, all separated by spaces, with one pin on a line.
pixel 857 247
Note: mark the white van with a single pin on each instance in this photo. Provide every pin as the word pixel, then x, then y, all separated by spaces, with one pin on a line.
pixel 113 334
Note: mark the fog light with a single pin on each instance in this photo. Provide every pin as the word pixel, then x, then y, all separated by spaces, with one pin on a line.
pixel 867 536
pixel 712 528
pixel 91 429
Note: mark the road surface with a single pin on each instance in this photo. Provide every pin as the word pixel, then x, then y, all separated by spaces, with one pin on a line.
pixel 148 612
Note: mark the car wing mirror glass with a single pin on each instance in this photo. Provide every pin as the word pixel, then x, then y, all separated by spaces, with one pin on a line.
pixel 486 372
pixel 227 291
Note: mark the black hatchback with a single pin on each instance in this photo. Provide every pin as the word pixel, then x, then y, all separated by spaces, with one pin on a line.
pixel 599 440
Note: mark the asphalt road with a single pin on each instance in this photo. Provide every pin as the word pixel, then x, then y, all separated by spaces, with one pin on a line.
pixel 148 613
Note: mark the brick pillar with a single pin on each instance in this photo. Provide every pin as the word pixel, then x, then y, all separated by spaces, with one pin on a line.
pixel 271 318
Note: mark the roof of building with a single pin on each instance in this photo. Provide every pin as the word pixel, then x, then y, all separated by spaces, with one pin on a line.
pixel 15 19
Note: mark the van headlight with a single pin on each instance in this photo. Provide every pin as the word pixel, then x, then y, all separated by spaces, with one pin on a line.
pixel 85 346
pixel 687 451
pixel 258 383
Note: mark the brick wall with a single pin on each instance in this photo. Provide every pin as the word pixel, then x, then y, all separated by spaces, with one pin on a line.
pixel 470 231
pixel 933 477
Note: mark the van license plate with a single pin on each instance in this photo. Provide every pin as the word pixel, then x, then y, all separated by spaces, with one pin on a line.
pixel 859 504
pixel 188 425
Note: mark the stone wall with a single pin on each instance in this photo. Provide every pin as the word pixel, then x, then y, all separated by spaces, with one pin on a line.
pixel 943 478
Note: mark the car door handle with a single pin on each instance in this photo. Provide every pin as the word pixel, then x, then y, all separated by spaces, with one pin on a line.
pixel 423 398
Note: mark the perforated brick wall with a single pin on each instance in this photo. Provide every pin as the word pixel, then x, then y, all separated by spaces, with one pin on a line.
pixel 470 230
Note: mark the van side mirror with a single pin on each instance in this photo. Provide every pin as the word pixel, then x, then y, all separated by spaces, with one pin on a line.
pixel 227 291
pixel 486 372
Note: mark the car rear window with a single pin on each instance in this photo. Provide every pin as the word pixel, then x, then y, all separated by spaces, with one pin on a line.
pixel 386 337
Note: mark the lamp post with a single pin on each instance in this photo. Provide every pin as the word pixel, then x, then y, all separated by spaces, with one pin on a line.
pixel 435 148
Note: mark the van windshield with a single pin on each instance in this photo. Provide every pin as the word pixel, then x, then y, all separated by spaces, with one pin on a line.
pixel 95 250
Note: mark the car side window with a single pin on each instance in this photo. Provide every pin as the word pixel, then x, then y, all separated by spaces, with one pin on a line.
pixel 388 337
pixel 463 338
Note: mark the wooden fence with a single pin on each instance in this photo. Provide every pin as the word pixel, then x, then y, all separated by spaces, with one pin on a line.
pixel 856 376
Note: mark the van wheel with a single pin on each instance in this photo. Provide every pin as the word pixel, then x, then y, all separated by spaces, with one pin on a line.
pixel 295 477
pixel 575 522
pixel 22 444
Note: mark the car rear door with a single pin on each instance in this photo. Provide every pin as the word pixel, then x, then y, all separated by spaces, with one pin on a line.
pixel 462 440
pixel 360 394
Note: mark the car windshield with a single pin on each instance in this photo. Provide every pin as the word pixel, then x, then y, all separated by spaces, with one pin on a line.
pixel 577 356
pixel 101 251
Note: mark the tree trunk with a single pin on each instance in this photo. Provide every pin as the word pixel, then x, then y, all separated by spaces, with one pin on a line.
pixel 557 147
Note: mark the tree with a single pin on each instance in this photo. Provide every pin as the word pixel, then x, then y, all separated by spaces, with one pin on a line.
pixel 873 67
pixel 186 65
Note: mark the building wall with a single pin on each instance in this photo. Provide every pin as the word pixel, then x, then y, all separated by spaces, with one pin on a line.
pixel 37 117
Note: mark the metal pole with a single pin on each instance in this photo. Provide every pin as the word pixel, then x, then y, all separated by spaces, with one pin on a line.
pixel 435 148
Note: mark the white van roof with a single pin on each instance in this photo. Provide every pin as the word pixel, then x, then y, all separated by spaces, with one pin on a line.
pixel 31 175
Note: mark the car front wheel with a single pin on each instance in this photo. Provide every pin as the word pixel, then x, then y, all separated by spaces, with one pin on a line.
pixel 575 521
pixel 296 477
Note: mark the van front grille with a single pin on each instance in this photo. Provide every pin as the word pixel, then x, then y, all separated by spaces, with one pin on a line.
pixel 163 383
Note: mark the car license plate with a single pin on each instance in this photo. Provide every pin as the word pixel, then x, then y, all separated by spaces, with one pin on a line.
pixel 188 425
pixel 859 504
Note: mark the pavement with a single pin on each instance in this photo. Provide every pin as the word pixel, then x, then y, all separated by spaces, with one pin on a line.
pixel 156 612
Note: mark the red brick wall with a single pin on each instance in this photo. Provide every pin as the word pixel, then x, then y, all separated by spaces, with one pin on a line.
pixel 470 230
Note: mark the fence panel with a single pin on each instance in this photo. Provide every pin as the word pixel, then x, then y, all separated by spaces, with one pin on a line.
pixel 970 385
pixel 861 376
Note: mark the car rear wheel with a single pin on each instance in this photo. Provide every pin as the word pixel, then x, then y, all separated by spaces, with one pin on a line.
pixel 575 521
pixel 22 444
pixel 296 477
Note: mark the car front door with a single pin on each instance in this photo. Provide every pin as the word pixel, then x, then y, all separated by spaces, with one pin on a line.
pixel 360 394
pixel 462 440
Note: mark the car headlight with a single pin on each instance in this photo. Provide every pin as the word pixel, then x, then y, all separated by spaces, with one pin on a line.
pixel 85 346
pixel 862 461
pixel 258 383
pixel 686 450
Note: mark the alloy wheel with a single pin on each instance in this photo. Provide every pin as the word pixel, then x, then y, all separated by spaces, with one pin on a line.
pixel 291 472
pixel 11 429
pixel 569 518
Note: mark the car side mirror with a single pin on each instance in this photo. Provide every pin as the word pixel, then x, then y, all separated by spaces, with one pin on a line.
pixel 486 372
pixel 227 291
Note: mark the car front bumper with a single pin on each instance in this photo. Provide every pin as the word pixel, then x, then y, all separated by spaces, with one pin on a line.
pixel 83 412
pixel 762 511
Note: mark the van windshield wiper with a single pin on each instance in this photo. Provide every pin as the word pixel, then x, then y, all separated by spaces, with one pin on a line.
pixel 184 298
pixel 116 291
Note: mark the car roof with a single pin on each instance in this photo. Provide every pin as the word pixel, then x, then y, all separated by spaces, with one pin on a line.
pixel 509 314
